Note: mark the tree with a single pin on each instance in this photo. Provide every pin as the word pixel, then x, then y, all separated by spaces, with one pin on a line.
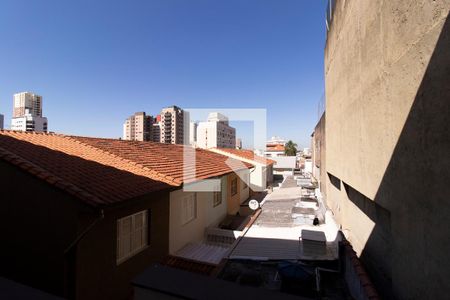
pixel 290 148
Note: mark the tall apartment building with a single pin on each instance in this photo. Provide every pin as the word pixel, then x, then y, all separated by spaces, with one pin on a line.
pixel 27 100
pixel 172 125
pixel 27 113
pixel 387 71
pixel 2 120
pixel 138 127
pixel 156 132
pixel 216 132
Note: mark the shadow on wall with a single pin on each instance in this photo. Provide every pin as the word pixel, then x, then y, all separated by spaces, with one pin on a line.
pixel 413 237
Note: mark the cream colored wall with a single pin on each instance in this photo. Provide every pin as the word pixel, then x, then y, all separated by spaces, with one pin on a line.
pixel 244 193
pixel 207 215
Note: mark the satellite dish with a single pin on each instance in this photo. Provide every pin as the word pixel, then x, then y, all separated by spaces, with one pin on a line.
pixel 253 204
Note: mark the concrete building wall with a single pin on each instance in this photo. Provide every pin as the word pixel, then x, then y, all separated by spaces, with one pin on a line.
pixel 387 138
pixel 318 154
pixel 207 215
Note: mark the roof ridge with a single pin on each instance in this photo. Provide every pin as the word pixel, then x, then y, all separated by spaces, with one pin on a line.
pixel 49 177
pixel 169 179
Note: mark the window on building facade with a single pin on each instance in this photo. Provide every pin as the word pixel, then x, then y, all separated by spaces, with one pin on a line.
pixel 234 188
pixel 188 208
pixel 132 235
pixel 217 199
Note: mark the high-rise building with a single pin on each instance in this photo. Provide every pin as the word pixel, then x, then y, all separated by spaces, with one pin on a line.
pixel 27 113
pixel 27 100
pixel 156 132
pixel 2 118
pixel 172 125
pixel 216 132
pixel 138 127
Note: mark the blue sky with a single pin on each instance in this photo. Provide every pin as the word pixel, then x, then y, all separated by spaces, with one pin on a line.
pixel 96 62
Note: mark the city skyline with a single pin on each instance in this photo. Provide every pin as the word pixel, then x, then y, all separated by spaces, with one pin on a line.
pixel 133 59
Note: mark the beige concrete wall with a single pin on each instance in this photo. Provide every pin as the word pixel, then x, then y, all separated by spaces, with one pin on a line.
pixel 207 215
pixel 387 70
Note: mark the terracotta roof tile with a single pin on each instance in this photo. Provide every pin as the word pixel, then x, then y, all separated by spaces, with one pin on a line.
pixel 245 154
pixel 104 171
pixel 274 147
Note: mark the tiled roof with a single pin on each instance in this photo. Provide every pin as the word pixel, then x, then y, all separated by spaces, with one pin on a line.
pixel 101 171
pixel 274 147
pixel 245 154
pixel 168 159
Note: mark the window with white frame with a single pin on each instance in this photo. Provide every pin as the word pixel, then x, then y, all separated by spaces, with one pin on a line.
pixel 188 208
pixel 132 235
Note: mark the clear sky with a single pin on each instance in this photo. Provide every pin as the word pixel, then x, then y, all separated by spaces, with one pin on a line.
pixel 96 62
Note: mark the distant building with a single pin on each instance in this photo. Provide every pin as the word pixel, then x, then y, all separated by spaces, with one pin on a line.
pixel 193 133
pixel 2 118
pixel 216 132
pixel 156 132
pixel 138 127
pixel 238 143
pixel 275 147
pixel 27 113
pixel 172 125
pixel 27 100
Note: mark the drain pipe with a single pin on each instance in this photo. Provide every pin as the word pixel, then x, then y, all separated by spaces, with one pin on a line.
pixel 85 231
